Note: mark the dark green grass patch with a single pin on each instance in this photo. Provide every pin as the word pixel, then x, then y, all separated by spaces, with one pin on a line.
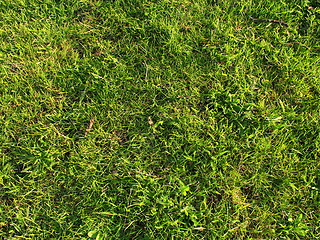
pixel 159 120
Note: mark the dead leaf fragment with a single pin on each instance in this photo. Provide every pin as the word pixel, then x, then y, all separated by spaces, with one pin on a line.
pixel 151 123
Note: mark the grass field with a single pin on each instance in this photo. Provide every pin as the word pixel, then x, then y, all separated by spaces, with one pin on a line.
pixel 180 119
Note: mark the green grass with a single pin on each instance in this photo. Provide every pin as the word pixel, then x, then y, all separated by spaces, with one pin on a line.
pixel 206 124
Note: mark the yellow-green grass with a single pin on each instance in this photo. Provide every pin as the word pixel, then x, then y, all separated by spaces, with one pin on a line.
pixel 159 119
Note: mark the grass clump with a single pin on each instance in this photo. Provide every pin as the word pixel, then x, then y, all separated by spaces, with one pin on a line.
pixel 159 119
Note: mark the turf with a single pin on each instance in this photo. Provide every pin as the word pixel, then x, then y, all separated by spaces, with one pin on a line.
pixel 162 119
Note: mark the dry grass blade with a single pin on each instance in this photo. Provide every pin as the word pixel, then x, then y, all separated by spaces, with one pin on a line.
pixel 89 126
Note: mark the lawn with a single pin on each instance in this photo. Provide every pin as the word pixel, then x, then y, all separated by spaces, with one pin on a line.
pixel 180 119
